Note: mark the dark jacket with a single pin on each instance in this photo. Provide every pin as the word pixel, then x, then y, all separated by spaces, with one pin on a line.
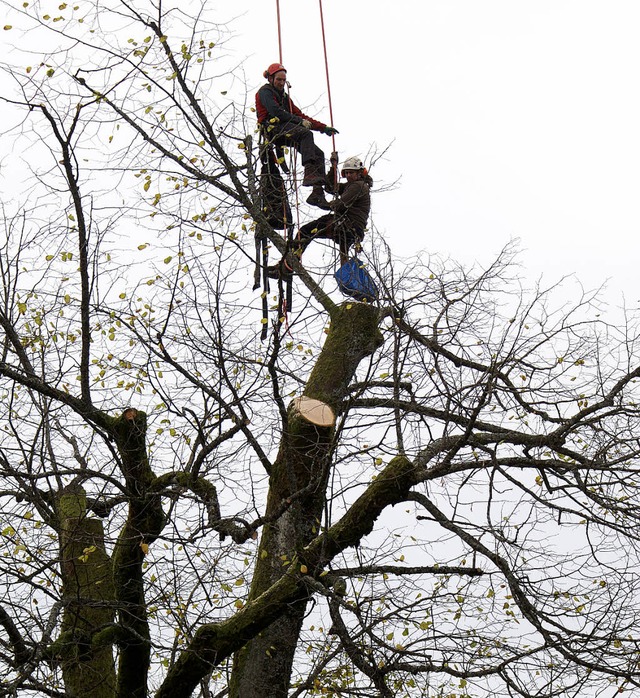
pixel 353 204
pixel 272 103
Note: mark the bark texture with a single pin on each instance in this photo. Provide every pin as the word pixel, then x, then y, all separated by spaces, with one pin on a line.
pixel 214 642
pixel 144 523
pixel 262 669
pixel 88 595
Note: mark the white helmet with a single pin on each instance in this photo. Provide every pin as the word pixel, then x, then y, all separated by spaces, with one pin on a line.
pixel 353 163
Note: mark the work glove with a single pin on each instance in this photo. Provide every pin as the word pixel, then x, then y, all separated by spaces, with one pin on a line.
pixel 330 131
pixel 331 175
pixel 305 123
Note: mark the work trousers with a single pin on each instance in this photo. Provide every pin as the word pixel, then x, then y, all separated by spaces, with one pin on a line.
pixel 300 138
pixel 328 227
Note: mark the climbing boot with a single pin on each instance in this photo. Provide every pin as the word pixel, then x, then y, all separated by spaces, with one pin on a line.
pixel 316 198
pixel 313 174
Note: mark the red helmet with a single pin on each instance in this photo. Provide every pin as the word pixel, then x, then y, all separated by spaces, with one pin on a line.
pixel 273 69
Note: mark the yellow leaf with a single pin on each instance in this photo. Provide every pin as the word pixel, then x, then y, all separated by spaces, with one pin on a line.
pixel 144 547
pixel 304 569
pixel 7 27
pixel 238 604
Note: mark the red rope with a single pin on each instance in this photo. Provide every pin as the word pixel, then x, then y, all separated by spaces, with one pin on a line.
pixel 326 68
pixel 279 31
pixel 333 138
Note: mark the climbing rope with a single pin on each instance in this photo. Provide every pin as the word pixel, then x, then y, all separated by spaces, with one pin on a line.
pixel 285 299
pixel 326 70
pixel 279 31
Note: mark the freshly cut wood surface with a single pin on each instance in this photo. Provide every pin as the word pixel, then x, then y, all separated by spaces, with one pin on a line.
pixel 315 411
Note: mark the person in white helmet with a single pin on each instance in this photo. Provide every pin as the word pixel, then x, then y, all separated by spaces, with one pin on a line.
pixel 345 225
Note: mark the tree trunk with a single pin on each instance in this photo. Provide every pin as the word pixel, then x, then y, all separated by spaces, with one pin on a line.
pixel 262 669
pixel 144 523
pixel 87 586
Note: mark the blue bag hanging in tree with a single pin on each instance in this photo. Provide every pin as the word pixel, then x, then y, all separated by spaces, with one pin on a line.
pixel 355 281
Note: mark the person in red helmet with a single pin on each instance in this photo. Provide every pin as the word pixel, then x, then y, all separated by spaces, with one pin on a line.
pixel 285 124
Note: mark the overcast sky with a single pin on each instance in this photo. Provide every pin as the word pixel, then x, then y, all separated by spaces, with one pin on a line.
pixel 509 119
pixel 506 118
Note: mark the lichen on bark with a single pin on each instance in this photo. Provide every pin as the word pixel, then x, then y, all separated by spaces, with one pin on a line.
pixel 88 598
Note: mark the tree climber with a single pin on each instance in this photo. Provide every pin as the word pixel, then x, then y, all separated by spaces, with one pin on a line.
pixel 345 225
pixel 284 124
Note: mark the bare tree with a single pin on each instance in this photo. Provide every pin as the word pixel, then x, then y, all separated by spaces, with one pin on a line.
pixel 171 521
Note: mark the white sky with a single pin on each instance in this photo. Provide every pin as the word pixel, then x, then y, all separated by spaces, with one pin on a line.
pixel 511 119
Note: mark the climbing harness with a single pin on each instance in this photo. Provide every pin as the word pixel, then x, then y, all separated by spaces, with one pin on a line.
pixel 274 202
pixel 273 195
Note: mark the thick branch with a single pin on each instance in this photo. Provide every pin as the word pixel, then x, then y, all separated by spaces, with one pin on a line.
pixel 21 652
pixel 213 643
pixel 83 245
